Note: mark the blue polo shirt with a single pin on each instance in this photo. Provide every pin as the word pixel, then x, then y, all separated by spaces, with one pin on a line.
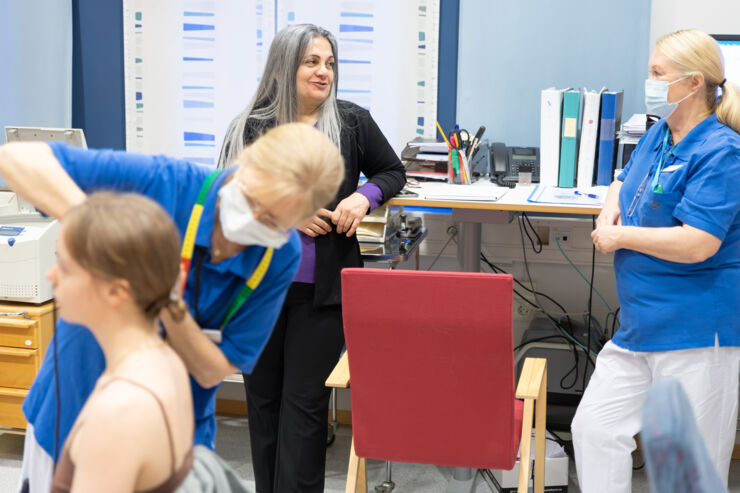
pixel 668 305
pixel 174 184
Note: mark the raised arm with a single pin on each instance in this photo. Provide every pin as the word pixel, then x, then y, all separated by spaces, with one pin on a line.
pixel 34 173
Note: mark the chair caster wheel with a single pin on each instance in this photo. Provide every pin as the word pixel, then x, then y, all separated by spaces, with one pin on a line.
pixel 331 433
pixel 385 487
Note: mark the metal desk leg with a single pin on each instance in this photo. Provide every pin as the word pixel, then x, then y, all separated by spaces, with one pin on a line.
pixel 468 246
pixel 469 237
pixel 468 258
pixel 416 259
pixel 463 480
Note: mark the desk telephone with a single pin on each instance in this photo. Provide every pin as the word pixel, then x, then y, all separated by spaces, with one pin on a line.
pixel 506 161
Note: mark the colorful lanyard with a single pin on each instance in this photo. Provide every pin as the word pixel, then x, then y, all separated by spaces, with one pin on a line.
pixel 657 188
pixel 188 246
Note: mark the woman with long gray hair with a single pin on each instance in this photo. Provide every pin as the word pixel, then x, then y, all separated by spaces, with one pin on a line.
pixel 286 397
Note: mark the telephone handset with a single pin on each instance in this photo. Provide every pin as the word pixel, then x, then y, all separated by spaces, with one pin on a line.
pixel 499 158
pixel 506 161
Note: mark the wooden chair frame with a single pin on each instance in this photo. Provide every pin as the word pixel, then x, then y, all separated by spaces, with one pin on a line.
pixel 532 388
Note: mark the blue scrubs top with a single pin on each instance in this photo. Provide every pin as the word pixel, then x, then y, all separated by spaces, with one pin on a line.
pixel 668 305
pixel 174 184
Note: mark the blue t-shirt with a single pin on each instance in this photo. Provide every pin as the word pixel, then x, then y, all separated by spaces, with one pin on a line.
pixel 669 305
pixel 174 184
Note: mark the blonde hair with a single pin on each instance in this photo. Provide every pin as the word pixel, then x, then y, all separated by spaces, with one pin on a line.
pixel 298 162
pixel 694 51
pixel 127 236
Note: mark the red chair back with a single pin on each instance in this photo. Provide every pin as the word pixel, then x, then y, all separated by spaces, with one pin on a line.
pixel 431 367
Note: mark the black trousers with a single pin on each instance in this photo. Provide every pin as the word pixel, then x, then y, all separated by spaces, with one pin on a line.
pixel 287 401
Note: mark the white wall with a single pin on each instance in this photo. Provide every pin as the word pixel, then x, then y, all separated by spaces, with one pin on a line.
pixel 711 16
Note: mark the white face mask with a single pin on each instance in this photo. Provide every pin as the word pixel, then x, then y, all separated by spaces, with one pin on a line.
pixel 656 97
pixel 239 225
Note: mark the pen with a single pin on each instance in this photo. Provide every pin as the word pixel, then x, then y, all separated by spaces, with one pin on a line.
pixel 589 195
pixel 443 135
pixel 476 140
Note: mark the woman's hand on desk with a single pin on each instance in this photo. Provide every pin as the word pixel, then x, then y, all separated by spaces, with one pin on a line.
pixel 349 213
pixel 318 224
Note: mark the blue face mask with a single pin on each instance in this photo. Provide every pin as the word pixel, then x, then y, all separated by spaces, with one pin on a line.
pixel 656 97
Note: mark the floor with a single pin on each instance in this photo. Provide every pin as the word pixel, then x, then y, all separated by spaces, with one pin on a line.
pixel 233 445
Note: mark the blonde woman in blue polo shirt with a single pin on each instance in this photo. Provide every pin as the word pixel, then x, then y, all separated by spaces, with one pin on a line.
pixel 238 227
pixel 672 220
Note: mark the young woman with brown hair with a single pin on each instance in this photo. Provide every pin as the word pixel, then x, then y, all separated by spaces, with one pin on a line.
pixel 135 433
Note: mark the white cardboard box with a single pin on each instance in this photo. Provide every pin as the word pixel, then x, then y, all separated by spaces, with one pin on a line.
pixel 556 470
pixel 556 476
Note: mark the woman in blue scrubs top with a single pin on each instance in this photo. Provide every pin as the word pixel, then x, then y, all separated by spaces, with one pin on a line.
pixel 671 219
pixel 277 182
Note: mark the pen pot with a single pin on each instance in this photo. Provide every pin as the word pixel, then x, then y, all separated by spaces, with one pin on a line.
pixel 458 168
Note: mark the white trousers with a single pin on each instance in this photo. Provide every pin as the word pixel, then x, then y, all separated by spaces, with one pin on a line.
pixel 38 467
pixel 610 413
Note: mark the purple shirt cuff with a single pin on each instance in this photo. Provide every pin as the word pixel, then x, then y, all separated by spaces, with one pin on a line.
pixel 307 268
pixel 373 193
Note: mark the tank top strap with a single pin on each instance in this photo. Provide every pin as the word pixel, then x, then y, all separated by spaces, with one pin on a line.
pixel 161 407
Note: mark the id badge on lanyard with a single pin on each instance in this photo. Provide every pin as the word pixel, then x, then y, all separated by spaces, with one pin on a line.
pixel 664 156
pixel 186 256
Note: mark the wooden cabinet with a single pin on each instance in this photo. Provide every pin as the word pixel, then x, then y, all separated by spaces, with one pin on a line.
pixel 25 332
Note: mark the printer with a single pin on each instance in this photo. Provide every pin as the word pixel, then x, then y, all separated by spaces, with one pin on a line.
pixel 27 252
pixel 28 239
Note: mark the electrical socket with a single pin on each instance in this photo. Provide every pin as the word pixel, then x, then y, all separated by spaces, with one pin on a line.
pixel 522 310
pixel 564 237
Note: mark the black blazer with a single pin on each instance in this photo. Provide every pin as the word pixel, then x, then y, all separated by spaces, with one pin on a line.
pixel 365 149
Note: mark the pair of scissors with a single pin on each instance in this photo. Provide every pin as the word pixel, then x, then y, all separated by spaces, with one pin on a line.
pixel 459 138
pixel 464 137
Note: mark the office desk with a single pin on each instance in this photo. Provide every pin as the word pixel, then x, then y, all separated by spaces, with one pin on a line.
pixel 472 214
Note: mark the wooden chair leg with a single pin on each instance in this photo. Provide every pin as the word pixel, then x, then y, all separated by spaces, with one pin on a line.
pixel 540 415
pixel 525 446
pixel 362 476
pixel 532 388
pixel 356 472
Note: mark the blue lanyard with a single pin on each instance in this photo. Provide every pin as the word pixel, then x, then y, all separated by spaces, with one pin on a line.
pixel 657 188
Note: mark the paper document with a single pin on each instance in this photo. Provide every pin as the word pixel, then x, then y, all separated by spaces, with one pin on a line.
pixel 591 196
pixel 428 156
pixel 473 193
pixel 438 147
pixel 552 448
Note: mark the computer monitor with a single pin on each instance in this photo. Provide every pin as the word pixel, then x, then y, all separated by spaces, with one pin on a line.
pixel 729 45
pixel 72 136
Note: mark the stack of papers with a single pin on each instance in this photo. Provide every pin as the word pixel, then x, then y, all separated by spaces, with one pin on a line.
pixel 436 147
pixel 633 130
pixel 426 159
